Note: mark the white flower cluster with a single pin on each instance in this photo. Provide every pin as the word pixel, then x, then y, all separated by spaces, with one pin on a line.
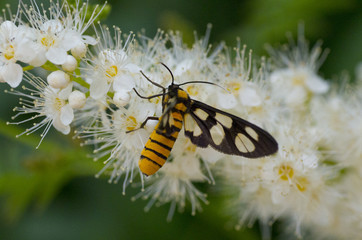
pixel 312 181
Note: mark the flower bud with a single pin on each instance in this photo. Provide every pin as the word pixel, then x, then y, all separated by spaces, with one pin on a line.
pixel 79 51
pixel 121 98
pixel 58 79
pixel 70 64
pixel 77 99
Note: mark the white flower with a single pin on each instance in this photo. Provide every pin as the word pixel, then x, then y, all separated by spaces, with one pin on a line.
pixel 56 32
pixel 241 89
pixel 294 78
pixel 340 117
pixel 113 140
pixel 14 46
pixel 57 108
pixel 117 73
pixel 244 93
pixel 295 84
pixel 293 182
pixel 47 103
pixel 112 69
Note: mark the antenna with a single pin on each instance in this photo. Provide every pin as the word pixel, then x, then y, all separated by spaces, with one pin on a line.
pixel 211 83
pixel 169 72
pixel 154 83
pixel 192 81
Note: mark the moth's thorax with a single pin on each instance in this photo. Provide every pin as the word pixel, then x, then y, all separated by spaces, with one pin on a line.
pixel 175 94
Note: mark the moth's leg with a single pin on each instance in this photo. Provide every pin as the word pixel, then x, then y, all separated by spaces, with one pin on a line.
pixel 144 123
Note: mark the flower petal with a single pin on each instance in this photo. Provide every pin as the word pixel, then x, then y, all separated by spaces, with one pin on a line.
pixel 39 58
pixel 249 97
pixel 89 40
pixel 56 55
pixel 226 100
pixel 70 40
pixel 210 155
pixel 12 73
pixel 66 114
pixel 64 93
pixel 296 96
pixel 125 82
pixel 132 68
pixel 53 26
pixel 317 84
pixel 280 74
pixel 25 51
pixel 58 125
pixel 7 28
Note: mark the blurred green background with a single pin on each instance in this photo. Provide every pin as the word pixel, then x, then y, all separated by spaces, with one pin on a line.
pixel 51 193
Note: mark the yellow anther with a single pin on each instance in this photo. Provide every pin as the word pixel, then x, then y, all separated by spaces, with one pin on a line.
pixel 285 172
pixel 131 123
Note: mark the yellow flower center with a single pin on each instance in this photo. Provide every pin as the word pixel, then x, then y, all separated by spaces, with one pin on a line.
pixel 112 71
pixel 155 100
pixel 192 90
pixel 9 52
pixel 298 80
pixel 285 172
pixel 58 103
pixel 47 41
pixel 257 109
pixel 131 123
pixel 233 87
pixel 302 184
pixel 191 147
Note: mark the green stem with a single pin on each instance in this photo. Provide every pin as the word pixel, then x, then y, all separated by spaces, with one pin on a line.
pixel 28 68
pixel 80 81
pixel 50 67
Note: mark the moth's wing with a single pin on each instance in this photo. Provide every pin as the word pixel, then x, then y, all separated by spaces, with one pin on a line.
pixel 205 126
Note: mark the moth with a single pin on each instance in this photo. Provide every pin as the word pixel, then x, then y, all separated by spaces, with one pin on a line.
pixel 203 125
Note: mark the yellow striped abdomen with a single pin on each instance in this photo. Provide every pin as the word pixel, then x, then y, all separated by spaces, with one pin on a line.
pixel 159 146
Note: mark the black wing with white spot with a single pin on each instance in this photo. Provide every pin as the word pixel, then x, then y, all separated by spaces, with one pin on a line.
pixel 205 126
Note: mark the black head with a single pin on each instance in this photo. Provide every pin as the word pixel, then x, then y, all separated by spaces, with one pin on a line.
pixel 172 89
